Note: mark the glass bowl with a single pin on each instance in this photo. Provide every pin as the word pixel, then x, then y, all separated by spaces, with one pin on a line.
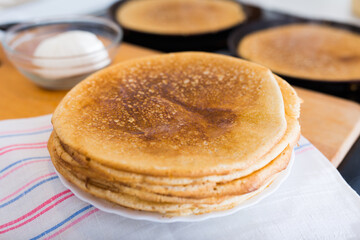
pixel 58 71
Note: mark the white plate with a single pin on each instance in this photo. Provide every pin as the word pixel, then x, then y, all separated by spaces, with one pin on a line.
pixel 156 217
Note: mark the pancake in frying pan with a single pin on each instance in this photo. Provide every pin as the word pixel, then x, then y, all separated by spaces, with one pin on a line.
pixel 307 51
pixel 180 17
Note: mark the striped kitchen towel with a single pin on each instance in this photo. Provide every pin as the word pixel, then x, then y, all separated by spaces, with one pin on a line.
pixel 313 203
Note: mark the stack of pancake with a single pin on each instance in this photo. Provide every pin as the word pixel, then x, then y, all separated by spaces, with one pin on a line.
pixel 178 134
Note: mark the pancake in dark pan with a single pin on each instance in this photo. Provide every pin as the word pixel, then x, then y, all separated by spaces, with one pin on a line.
pixel 179 25
pixel 345 75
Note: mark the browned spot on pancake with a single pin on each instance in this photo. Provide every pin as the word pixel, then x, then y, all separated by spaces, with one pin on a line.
pixel 154 116
pixel 349 58
pixel 171 104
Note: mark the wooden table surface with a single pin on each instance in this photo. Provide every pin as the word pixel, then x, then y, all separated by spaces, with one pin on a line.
pixel 330 123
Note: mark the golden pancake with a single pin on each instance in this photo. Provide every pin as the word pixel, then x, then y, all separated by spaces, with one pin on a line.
pixel 180 17
pixel 167 209
pixel 90 178
pixel 308 51
pixel 182 194
pixel 174 115
pixel 291 100
pixel 239 186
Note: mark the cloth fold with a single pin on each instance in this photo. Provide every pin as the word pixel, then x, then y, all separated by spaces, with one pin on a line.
pixel 313 203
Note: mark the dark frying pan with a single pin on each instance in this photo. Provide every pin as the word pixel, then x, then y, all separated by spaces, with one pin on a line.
pixel 170 43
pixel 339 88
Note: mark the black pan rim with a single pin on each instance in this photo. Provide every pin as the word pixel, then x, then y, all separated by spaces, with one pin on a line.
pixel 251 12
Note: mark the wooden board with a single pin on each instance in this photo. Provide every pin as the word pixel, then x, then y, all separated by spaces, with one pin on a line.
pixel 330 123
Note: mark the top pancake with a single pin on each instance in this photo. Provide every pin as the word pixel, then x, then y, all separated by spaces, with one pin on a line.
pixel 180 17
pixel 307 51
pixel 183 115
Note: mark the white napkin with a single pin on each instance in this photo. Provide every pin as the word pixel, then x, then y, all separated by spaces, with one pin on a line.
pixel 313 203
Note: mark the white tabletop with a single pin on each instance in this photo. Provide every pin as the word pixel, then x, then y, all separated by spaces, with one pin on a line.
pixel 337 10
